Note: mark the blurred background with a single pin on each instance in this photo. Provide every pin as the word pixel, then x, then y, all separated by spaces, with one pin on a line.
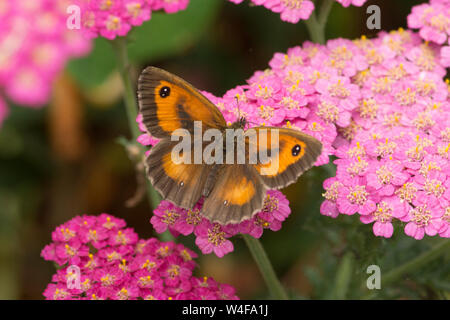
pixel 64 160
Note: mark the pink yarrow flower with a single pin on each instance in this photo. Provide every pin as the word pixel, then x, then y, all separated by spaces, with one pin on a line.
pixel 33 54
pixel 433 20
pixel 124 267
pixel 295 10
pixel 393 156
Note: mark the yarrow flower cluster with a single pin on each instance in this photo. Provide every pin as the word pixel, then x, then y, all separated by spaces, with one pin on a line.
pixel 99 258
pixel 112 18
pixel 295 10
pixel 393 158
pixel 35 44
pixel 214 237
pixel 380 105
pixel 433 20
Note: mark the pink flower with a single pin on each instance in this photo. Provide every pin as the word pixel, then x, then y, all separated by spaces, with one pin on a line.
pixel 432 19
pixel 354 197
pixel 387 209
pixel 393 155
pixel 423 220
pixel 445 56
pixel 57 292
pixel 213 237
pixel 291 10
pixel 137 11
pixel 165 215
pixel 385 176
pixel 112 18
pixel 329 207
pixel 169 6
pixel 113 25
pixel 445 229
pixel 3 111
pixel 295 10
pixel 33 55
pixel 346 3
pixel 125 267
pixel 188 221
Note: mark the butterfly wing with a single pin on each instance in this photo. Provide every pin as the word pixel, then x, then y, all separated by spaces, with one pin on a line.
pixel 295 153
pixel 238 194
pixel 167 103
pixel 180 183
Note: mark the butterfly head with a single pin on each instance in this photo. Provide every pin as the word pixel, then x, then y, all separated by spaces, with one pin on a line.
pixel 239 124
pixel 242 122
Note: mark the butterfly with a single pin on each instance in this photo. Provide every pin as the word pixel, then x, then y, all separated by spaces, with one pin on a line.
pixel 231 192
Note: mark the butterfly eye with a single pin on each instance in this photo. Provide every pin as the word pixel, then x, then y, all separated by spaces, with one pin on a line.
pixel 296 150
pixel 164 92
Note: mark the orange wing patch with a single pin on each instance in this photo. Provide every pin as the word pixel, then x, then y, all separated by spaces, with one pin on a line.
pixel 166 108
pixel 238 191
pixel 294 153
pixel 283 157
pixel 237 195
pixel 181 172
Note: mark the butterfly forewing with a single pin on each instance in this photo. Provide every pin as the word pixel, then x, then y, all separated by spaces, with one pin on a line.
pixel 167 103
pixel 293 153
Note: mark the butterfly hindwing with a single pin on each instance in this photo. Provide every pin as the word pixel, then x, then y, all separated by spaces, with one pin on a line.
pixel 238 193
pixel 167 103
pixel 180 183
pixel 294 153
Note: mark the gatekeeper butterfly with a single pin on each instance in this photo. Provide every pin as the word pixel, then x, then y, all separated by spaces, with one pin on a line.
pixel 232 192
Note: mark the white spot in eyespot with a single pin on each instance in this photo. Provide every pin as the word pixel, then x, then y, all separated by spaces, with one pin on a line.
pixel 181 184
pixel 225 202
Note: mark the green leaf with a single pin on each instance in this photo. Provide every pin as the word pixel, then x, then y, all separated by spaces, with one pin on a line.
pixel 169 34
pixel 93 69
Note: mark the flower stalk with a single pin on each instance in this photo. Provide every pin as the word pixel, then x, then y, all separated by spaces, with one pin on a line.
pixel 343 277
pixel 265 267
pixel 317 22
pixel 123 64
pixel 415 264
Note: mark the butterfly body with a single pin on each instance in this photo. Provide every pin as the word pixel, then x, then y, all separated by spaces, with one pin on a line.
pixel 232 190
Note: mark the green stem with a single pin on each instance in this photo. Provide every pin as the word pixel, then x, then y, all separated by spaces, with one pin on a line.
pixel 413 265
pixel 317 22
pixel 265 267
pixel 343 277
pixel 123 63
pixel 324 11
pixel 416 263
pixel 120 46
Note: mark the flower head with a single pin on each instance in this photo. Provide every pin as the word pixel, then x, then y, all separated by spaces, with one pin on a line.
pixel 32 54
pixel 393 157
pixel 117 265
